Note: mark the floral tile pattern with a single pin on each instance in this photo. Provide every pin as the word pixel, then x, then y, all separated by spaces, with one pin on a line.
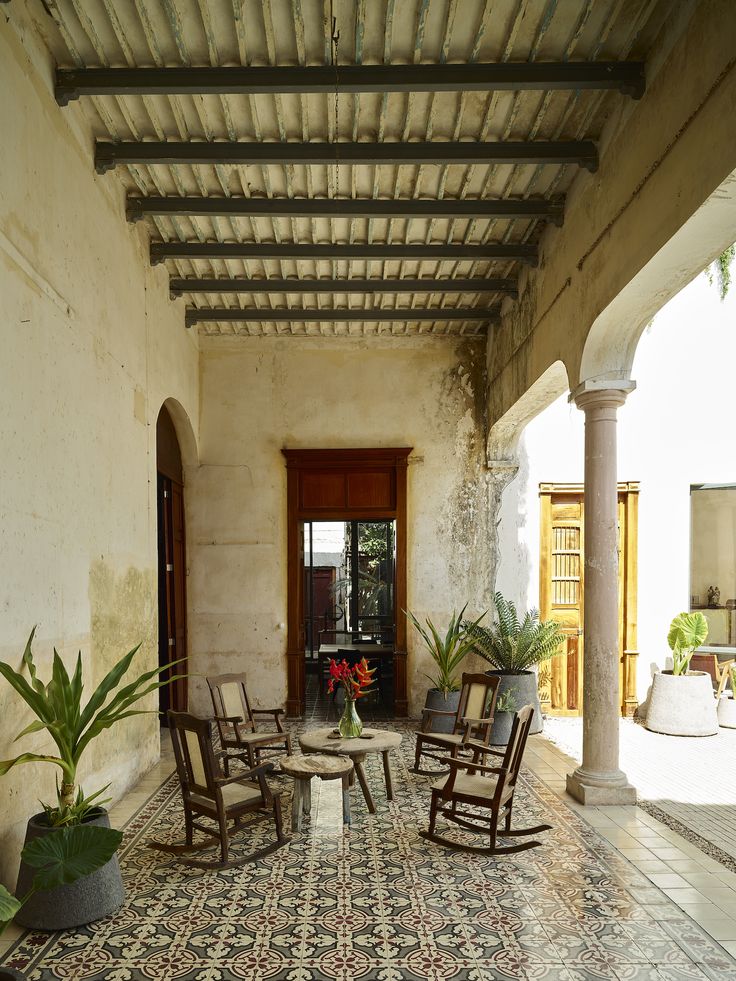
pixel 376 902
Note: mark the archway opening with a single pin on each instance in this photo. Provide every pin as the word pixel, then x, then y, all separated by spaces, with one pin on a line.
pixel 172 623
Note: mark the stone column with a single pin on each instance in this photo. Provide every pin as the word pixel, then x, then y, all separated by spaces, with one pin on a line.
pixel 599 780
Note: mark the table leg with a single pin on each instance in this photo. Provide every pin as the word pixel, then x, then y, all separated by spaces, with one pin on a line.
pixel 307 796
pixel 387 774
pixel 364 785
pixel 346 799
pixel 296 806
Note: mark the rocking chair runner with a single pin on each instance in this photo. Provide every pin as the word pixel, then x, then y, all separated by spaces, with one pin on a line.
pixel 236 722
pixel 207 794
pixel 473 720
pixel 484 787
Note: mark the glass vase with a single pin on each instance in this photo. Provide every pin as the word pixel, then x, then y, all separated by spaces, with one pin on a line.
pixel 350 725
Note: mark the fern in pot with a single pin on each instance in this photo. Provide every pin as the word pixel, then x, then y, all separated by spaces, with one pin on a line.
pixel 514 646
pixel 447 653
pixel 681 701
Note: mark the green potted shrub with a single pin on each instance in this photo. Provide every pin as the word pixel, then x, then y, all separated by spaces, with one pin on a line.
pixel 72 726
pixel 58 859
pixel 447 653
pixel 681 701
pixel 513 647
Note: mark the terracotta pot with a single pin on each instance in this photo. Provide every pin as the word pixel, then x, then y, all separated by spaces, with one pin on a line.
pixel 682 705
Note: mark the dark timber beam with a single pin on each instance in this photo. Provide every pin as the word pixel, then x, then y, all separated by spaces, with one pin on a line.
pixel 582 152
pixel 625 77
pixel 255 315
pixel 455 251
pixel 178 286
pixel 138 207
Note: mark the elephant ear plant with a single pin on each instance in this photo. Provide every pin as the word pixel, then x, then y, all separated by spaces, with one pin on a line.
pixel 59 859
pixel 687 632
pixel 58 709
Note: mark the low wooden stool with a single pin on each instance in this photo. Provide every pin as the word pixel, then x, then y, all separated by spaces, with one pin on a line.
pixel 303 768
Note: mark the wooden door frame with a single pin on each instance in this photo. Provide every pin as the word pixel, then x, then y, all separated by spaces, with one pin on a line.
pixel 628 494
pixel 314 462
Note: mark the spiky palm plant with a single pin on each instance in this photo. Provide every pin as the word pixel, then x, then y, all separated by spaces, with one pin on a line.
pixel 58 709
pixel 513 645
pixel 447 652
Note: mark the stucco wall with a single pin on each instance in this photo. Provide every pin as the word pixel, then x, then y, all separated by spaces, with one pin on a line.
pixel 674 431
pixel 261 394
pixel 91 346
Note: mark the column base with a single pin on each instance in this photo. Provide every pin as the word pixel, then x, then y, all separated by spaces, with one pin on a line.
pixel 600 789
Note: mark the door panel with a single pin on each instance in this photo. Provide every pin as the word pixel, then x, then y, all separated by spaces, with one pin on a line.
pixel 172 592
pixel 562 590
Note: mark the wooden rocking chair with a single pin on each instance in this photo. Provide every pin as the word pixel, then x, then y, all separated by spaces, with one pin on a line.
pixel 236 722
pixel 481 788
pixel 473 721
pixel 206 793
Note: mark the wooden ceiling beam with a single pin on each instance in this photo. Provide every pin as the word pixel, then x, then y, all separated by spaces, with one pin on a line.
pixel 177 286
pixel 300 314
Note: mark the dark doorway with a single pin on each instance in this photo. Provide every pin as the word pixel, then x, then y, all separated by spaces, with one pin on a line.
pixel 172 623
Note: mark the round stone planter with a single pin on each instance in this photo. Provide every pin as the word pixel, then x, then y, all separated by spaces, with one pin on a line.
pixel 442 703
pixel 682 705
pixel 524 689
pixel 727 712
pixel 89 898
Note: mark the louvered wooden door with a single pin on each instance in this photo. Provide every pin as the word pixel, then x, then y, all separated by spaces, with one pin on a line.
pixel 562 595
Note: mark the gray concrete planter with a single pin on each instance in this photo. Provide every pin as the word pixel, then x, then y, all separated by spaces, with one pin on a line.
pixel 682 705
pixel 449 703
pixel 524 688
pixel 84 901
pixel 727 712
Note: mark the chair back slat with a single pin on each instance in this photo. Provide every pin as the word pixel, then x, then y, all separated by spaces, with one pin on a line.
pixel 517 743
pixel 229 696
pixel 477 698
pixel 196 766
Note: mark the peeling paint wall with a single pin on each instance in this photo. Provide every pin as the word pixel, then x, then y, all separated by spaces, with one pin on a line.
pixel 91 346
pixel 263 394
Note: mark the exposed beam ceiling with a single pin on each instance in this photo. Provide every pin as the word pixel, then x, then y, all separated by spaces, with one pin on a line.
pixel 625 77
pixel 287 250
pixel 178 285
pixel 316 315
pixel 582 152
pixel 138 207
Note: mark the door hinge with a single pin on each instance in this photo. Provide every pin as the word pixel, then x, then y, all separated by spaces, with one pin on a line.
pixel 172 641
pixel 166 494
pixel 169 567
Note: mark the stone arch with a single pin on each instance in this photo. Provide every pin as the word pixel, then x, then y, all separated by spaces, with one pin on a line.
pixel 184 432
pixel 612 340
pixel 504 434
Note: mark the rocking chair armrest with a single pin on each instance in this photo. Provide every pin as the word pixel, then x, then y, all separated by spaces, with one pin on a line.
pixel 453 762
pixel 275 713
pixel 234 719
pixel 482 748
pixel 428 714
pixel 261 770
pixel 471 724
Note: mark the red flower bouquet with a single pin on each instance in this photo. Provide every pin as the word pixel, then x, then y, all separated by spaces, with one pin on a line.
pixel 355 680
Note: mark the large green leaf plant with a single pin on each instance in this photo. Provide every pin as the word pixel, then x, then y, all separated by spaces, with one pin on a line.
pixel 514 644
pixel 687 631
pixel 61 858
pixel 58 709
pixel 447 652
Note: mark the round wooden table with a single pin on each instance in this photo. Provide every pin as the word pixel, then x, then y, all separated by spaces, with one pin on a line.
pixel 372 741
pixel 302 769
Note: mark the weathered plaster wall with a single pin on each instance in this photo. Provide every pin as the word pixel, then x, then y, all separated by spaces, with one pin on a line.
pixel 661 160
pixel 674 430
pixel 91 346
pixel 262 394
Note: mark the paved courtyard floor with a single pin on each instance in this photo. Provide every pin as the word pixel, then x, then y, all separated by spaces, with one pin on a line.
pixel 379 903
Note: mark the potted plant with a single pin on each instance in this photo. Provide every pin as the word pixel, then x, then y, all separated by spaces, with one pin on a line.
pixel 447 653
pixel 58 859
pixel 355 681
pixel 513 647
pixel 503 717
pixel 681 702
pixel 58 709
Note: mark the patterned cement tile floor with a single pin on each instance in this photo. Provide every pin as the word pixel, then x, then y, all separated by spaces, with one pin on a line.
pixel 379 903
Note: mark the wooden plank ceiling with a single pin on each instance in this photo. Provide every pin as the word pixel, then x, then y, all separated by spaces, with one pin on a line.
pixel 389 177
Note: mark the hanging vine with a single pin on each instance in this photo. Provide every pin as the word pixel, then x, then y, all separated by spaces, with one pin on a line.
pixel 722 269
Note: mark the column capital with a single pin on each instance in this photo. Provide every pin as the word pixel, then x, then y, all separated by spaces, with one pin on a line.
pixel 602 393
